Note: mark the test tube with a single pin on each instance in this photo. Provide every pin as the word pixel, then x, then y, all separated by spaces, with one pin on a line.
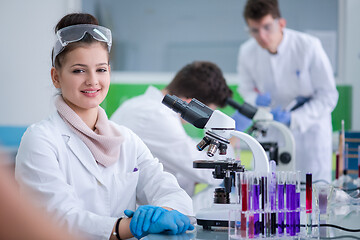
pixel 291 203
pixel 256 203
pixel 244 202
pixel 238 212
pixel 250 205
pixel 266 207
pixel 346 157
pixel 263 192
pixel 308 203
pixel 272 196
pixel 297 206
pixel 281 181
pixel 287 203
pixel 238 187
pixel 323 191
pixel 337 165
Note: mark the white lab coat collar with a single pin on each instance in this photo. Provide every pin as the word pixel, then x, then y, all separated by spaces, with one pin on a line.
pixel 78 147
pixel 283 44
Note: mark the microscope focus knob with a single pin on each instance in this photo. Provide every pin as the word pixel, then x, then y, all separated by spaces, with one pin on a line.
pixel 285 157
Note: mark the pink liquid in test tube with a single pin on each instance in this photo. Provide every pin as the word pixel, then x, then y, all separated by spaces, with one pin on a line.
pixel 244 203
pixel 308 203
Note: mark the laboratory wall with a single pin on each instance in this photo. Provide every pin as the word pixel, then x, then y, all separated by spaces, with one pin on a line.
pixel 163 35
pixel 27 37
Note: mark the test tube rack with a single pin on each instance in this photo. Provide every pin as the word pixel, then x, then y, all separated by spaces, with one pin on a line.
pixel 268 206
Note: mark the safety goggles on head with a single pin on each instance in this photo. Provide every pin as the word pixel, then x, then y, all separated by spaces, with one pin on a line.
pixel 75 33
pixel 267 28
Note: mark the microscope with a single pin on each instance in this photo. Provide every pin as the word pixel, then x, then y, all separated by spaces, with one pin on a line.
pixel 282 150
pixel 219 128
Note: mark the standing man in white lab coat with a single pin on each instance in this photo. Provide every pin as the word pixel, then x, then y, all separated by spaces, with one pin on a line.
pixel 278 66
pixel 161 128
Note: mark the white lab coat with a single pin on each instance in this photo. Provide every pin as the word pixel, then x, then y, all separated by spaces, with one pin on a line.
pixel 300 68
pixel 162 131
pixel 58 168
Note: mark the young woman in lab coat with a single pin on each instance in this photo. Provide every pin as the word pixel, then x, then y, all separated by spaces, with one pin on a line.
pixel 85 169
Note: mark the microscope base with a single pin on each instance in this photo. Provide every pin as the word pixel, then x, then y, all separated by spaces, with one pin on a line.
pixel 215 216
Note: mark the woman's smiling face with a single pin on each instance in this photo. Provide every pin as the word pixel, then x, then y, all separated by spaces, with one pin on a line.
pixel 84 77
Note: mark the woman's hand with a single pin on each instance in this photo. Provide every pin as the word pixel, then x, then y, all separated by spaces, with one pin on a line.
pixel 142 218
pixel 171 222
pixel 150 219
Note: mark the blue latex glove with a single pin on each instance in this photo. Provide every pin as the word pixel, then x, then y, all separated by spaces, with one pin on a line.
pixel 242 122
pixel 263 99
pixel 169 222
pixel 142 218
pixel 281 115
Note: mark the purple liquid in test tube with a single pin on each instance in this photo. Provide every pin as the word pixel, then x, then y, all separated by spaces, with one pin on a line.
pixel 291 192
pixel 281 219
pixel 297 206
pixel 287 205
pixel 251 206
pixel 292 207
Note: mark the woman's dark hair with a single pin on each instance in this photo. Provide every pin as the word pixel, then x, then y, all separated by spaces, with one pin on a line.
pixel 203 81
pixel 69 20
pixel 257 9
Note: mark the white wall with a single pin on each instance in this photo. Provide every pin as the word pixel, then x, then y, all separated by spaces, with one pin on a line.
pixel 27 37
pixel 349 57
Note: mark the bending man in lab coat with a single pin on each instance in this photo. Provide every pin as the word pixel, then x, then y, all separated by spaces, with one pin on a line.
pixel 161 128
pixel 278 66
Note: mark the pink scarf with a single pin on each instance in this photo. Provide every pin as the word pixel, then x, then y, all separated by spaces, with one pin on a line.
pixel 104 143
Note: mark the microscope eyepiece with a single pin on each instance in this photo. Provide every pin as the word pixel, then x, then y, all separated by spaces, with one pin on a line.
pixel 195 112
pixel 245 108
pixel 175 103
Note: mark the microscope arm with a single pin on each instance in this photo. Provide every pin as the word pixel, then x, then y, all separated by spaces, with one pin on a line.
pixel 288 148
pixel 261 162
pixel 287 134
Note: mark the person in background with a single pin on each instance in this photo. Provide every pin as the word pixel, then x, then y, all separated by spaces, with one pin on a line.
pixel 161 128
pixel 86 170
pixel 280 66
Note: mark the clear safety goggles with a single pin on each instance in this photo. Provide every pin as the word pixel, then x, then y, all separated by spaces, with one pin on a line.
pixel 75 33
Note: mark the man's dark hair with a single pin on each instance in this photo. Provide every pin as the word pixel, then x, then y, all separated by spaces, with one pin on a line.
pixel 257 9
pixel 203 81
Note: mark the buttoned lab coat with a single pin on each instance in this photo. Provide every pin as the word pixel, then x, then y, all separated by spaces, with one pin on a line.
pixel 53 162
pixel 300 68
pixel 162 131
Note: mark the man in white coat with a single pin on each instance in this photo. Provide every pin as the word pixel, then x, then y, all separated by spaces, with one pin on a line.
pixel 279 66
pixel 161 128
